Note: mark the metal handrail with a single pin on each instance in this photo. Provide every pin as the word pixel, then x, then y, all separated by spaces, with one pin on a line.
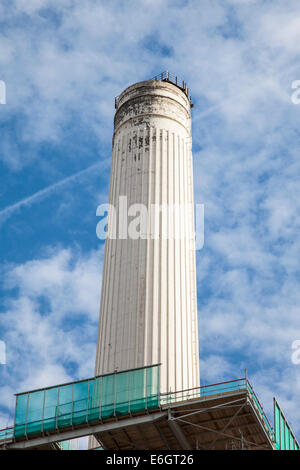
pixel 261 410
pixel 202 386
pixel 166 76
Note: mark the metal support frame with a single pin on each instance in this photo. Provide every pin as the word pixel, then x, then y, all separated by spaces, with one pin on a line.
pixel 232 428
pixel 99 440
pixel 113 439
pixel 144 437
pixel 231 436
pixel 211 408
pixel 178 433
pixel 224 418
pixel 240 404
pixel 87 430
pixel 228 424
pixel 162 436
pixel 127 442
pixel 261 423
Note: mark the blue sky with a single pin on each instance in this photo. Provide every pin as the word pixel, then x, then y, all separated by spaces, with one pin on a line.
pixel 63 63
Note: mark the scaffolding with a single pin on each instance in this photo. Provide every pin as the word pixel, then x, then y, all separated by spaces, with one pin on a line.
pixel 126 411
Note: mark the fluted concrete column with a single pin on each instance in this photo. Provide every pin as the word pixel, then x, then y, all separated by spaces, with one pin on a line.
pixel 148 312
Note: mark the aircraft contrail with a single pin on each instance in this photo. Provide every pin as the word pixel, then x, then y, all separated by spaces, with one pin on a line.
pixel 34 197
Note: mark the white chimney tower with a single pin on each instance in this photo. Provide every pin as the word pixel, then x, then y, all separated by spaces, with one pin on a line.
pixel 148 312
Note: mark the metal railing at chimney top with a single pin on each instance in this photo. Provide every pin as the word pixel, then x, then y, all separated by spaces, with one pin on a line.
pixel 166 76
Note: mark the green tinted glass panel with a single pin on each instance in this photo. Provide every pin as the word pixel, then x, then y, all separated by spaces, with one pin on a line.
pixel 122 393
pixel 80 402
pixel 285 440
pixel 51 402
pixel 282 433
pixel 86 401
pixel 277 427
pixel 35 412
pixel 65 445
pixel 95 390
pixel 152 385
pixel 108 396
pixel 138 392
pixel 21 411
pixel 292 443
pixel 65 404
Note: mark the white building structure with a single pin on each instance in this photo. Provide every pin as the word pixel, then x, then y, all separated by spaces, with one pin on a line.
pixel 148 312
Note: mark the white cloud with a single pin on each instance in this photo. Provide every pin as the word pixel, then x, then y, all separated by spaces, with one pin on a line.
pixel 217 369
pixel 50 325
pixel 70 289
